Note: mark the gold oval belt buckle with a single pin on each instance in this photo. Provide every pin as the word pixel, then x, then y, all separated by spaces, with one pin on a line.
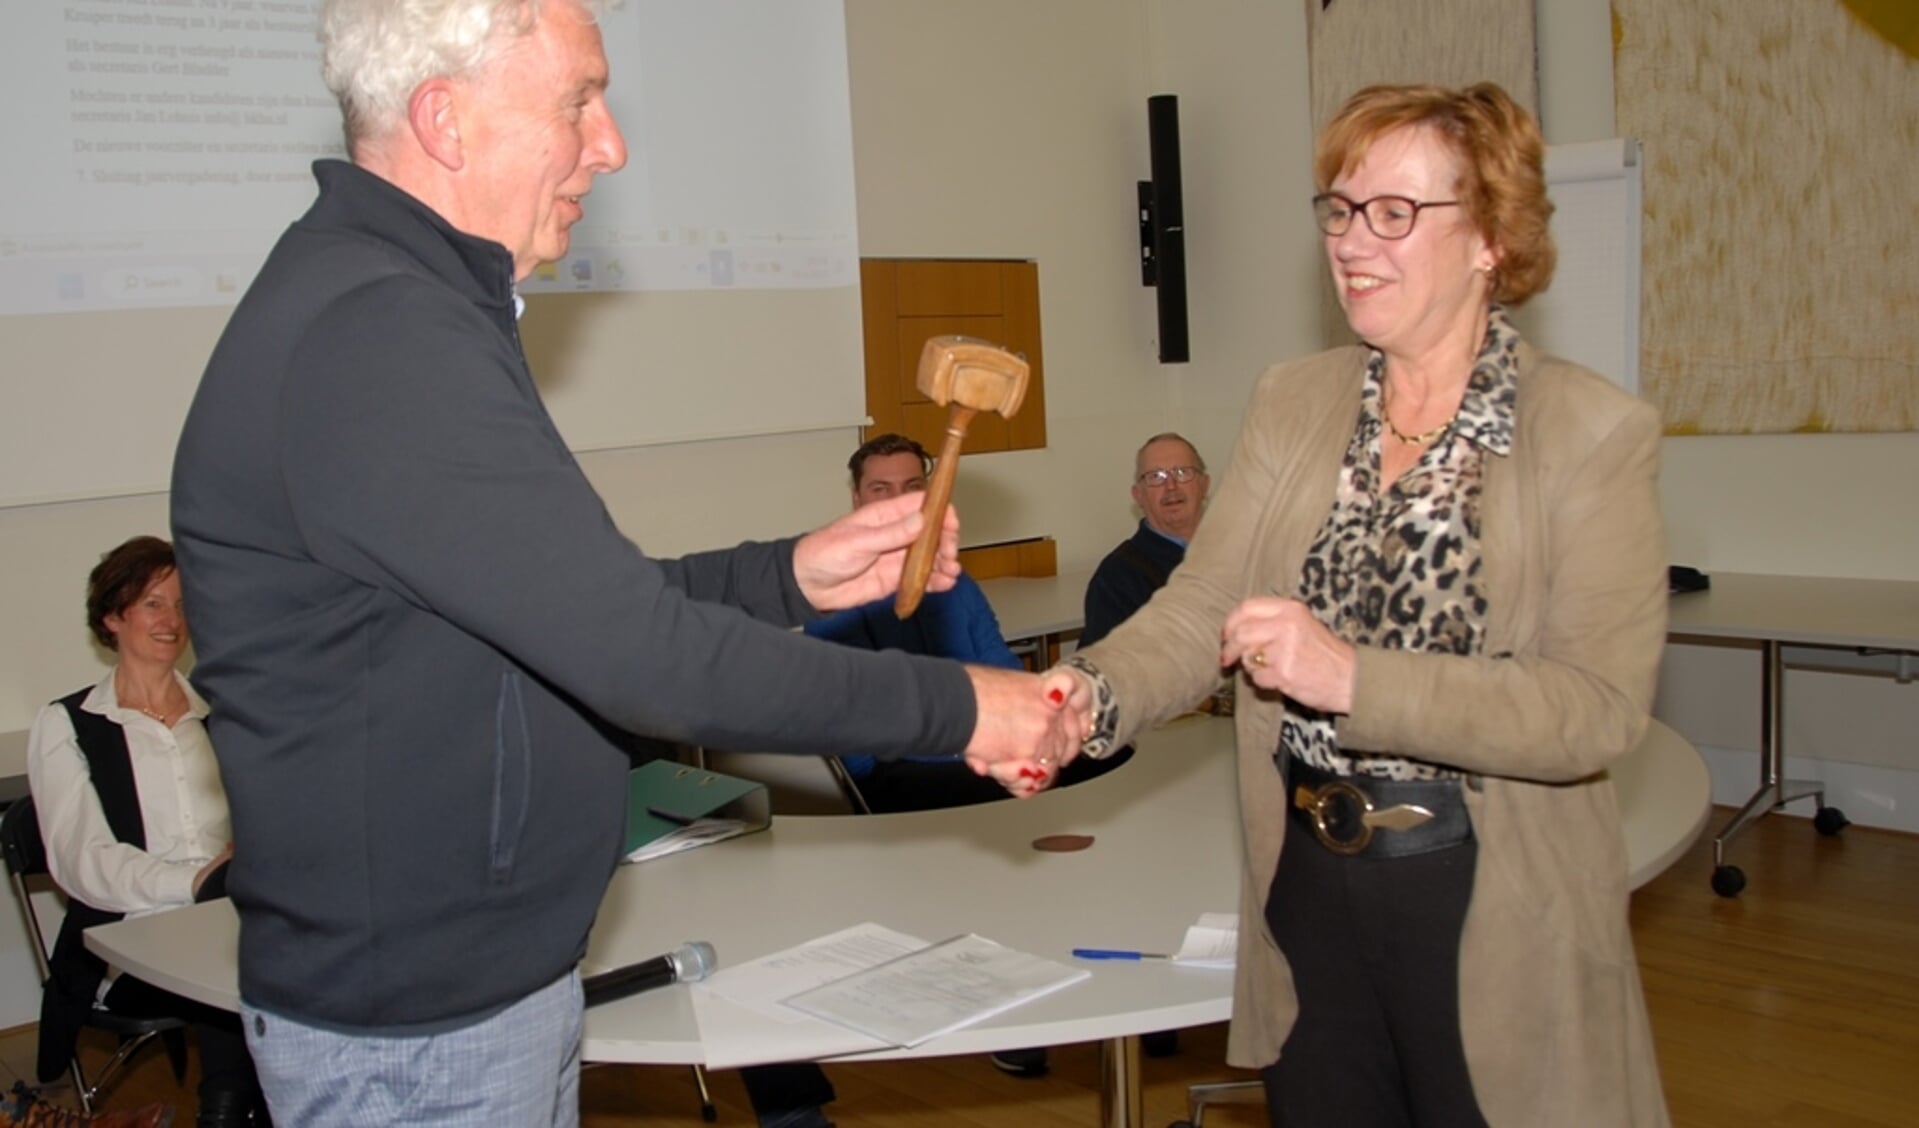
pixel 1324 805
pixel 1342 807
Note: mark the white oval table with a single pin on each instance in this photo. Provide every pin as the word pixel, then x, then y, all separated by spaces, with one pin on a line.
pixel 1165 849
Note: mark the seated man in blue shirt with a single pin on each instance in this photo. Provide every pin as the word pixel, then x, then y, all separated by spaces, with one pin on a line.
pixel 956 624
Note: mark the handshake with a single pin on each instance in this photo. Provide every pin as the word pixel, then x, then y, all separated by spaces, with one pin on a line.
pixel 1030 726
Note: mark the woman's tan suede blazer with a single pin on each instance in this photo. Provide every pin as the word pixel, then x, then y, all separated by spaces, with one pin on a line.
pixel 1553 1018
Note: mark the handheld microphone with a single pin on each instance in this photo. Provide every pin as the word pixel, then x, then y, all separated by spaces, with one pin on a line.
pixel 688 963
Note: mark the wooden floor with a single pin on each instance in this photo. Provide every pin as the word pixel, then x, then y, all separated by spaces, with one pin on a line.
pixel 1796 1005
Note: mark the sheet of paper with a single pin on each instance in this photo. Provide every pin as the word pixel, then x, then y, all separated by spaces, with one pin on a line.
pixel 764 984
pixel 743 1022
pixel 1212 942
pixel 699 832
pixel 937 989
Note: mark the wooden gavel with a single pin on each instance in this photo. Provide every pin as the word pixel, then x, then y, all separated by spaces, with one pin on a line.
pixel 972 376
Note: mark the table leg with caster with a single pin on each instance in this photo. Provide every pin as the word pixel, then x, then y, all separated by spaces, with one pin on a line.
pixel 1775 790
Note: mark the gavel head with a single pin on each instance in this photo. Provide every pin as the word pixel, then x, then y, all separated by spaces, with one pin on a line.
pixel 973 373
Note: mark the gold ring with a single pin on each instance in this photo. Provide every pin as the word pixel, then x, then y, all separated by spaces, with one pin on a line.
pixel 1258 658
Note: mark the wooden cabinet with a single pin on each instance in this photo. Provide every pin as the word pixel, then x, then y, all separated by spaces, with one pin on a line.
pixel 1034 556
pixel 905 301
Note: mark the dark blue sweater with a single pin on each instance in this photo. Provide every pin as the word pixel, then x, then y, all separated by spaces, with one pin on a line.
pixel 1126 579
pixel 418 628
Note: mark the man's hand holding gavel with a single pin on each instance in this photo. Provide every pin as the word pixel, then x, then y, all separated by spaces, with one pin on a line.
pixel 858 558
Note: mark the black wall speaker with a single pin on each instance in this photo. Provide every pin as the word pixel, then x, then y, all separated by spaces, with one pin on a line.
pixel 1162 228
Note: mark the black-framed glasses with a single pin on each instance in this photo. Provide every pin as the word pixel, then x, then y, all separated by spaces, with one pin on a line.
pixel 1154 479
pixel 1389 217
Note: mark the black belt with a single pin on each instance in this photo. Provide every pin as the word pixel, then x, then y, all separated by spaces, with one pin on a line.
pixel 1374 817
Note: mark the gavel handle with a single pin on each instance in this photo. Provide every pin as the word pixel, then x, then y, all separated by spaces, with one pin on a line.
pixel 919 561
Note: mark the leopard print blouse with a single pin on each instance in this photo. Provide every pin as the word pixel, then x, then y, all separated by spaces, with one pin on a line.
pixel 1399 568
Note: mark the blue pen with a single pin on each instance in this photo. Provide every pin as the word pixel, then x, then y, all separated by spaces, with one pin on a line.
pixel 1116 954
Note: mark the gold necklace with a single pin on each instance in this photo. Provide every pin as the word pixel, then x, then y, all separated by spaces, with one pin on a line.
pixel 150 711
pixel 1424 438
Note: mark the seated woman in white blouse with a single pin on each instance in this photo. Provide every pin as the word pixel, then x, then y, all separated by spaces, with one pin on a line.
pixel 134 819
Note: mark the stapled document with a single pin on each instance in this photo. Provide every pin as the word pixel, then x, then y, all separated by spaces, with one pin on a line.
pixel 936 990
pixel 743 1022
pixel 861 989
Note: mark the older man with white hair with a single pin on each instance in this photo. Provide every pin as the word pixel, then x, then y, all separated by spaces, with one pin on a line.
pixel 418 626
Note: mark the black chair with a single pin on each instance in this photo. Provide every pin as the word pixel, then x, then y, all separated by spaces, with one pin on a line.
pixel 26 858
pixel 795 784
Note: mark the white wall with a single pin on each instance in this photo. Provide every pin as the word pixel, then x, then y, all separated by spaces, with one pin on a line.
pixel 1794 505
pixel 1037 158
pixel 1253 256
pixel 1575 69
pixel 1001 128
